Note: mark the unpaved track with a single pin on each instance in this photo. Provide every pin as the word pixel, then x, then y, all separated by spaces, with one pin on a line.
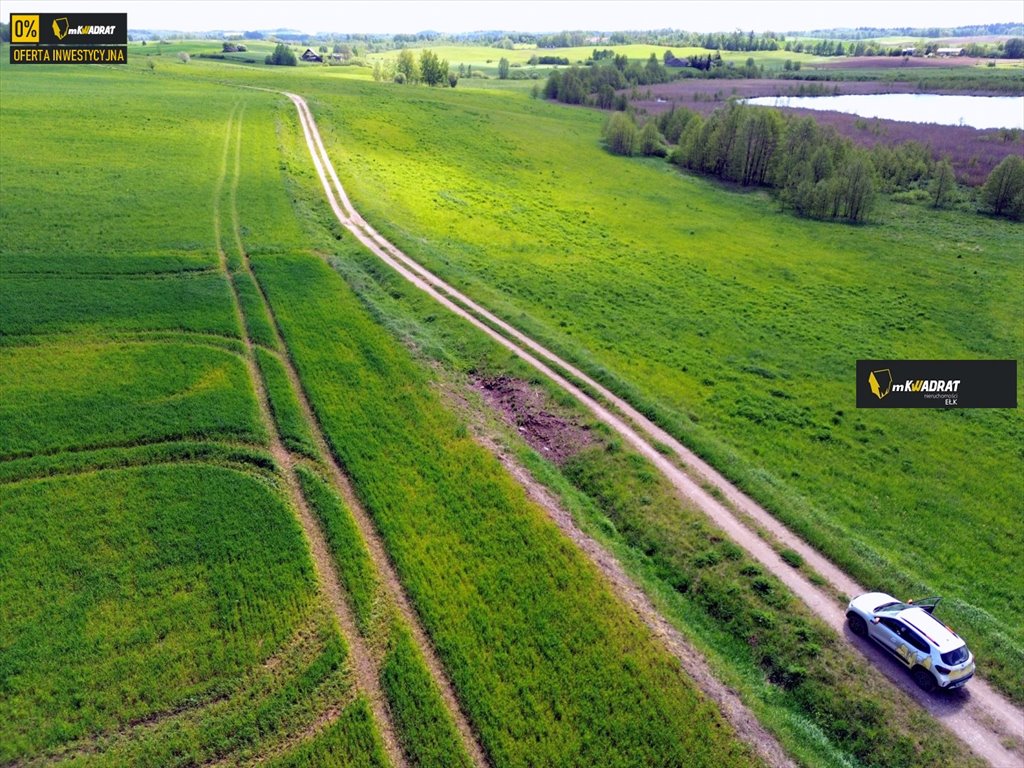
pixel 978 715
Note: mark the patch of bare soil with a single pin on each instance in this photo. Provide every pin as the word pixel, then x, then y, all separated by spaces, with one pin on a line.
pixel 526 408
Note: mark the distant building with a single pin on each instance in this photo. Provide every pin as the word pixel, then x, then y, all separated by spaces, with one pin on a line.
pixel 311 55
pixel 910 51
pixel 950 51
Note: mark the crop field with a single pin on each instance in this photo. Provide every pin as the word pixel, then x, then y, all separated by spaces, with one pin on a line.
pixel 735 326
pixel 137 590
pixel 158 604
pixel 243 524
pixel 135 448
pixel 550 668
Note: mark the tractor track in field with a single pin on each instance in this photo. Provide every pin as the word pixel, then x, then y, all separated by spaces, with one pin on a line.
pixel 363 664
pixel 988 723
pixel 367 531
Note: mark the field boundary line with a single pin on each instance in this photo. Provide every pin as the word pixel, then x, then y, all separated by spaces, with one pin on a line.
pixel 140 444
pixel 361 660
pixel 372 540
pixel 983 719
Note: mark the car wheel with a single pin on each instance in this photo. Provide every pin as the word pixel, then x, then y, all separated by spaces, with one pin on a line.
pixel 924 679
pixel 857 625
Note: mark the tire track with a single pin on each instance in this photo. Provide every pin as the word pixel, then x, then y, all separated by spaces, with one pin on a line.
pixel 362 662
pixel 978 715
pixel 367 531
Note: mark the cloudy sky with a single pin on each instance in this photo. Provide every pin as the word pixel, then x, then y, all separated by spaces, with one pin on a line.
pixel 536 15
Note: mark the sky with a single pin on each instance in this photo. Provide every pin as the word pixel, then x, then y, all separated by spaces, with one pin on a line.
pixel 407 16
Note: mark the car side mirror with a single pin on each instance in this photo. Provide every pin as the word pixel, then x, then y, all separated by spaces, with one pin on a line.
pixel 875 620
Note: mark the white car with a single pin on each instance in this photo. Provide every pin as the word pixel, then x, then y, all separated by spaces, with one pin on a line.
pixel 935 655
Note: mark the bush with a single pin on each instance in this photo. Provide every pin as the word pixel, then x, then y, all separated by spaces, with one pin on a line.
pixel 183 57
pixel 650 140
pixel 282 56
pixel 1003 193
pixel 620 134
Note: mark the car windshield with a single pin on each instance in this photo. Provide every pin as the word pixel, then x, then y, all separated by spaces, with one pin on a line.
pixel 956 656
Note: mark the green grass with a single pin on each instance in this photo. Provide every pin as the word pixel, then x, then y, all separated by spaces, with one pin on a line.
pixel 79 461
pixel 737 328
pixel 349 741
pixel 198 303
pixel 810 671
pixel 271 705
pixel 428 734
pixel 157 601
pixel 355 569
pixel 548 665
pixel 257 324
pixel 93 194
pixel 61 397
pixel 426 730
pixel 284 405
pixel 127 593
pixel 618 498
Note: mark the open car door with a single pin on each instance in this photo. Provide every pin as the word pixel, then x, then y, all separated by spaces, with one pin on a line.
pixel 927 603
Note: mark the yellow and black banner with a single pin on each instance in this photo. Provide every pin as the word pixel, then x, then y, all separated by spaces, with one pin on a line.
pixel 69 38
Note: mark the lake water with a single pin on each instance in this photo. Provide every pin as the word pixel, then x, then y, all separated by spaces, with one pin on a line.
pixel 975 111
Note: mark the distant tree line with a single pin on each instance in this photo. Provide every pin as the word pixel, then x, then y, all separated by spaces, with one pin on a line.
pixel 866 33
pixel 810 169
pixel 575 84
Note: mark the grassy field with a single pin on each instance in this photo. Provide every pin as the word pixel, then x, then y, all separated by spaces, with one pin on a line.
pixel 123 378
pixel 128 593
pixel 157 600
pixel 826 708
pixel 550 669
pixel 736 327
pixel 485 59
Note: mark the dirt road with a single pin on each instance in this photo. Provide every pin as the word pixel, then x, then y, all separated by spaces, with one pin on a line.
pixel 982 718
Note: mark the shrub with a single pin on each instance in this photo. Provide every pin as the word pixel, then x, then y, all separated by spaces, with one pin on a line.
pixel 183 57
pixel 620 134
pixel 1003 193
pixel 282 56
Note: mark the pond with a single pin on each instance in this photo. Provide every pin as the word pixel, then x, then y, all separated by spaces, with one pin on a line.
pixel 975 111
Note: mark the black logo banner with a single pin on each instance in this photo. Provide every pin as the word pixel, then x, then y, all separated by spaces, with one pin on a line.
pixel 936 383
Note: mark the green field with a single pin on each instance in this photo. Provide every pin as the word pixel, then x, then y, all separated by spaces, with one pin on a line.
pixel 185 624
pixel 129 593
pixel 737 328
pixel 110 384
pixel 158 605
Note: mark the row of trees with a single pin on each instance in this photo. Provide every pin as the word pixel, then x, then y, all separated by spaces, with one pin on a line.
pixel 282 56
pixel 575 84
pixel 811 169
pixel 429 69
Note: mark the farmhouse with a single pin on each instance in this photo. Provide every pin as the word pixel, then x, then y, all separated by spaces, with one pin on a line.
pixel 311 55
